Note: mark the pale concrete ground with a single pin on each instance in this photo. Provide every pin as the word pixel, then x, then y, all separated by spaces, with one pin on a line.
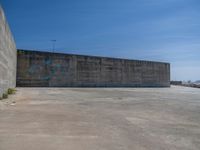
pixel 101 119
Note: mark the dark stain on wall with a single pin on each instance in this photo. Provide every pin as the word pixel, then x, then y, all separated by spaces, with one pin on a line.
pixel 44 69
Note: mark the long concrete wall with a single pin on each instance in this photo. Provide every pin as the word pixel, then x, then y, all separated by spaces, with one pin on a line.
pixel 43 69
pixel 8 56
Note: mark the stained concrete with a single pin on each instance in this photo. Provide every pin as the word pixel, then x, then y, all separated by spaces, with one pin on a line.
pixel 8 56
pixel 43 69
pixel 101 119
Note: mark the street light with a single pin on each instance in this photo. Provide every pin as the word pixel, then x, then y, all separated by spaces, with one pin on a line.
pixel 53 44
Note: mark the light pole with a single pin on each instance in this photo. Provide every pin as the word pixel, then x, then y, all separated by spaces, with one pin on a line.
pixel 53 44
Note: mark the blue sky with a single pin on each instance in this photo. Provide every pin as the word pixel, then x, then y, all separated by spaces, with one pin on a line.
pixel 158 30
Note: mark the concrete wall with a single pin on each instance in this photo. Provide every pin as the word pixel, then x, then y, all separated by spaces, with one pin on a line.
pixel 65 70
pixel 8 56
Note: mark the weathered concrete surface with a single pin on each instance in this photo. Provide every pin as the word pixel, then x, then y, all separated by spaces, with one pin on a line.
pixel 102 119
pixel 8 56
pixel 65 70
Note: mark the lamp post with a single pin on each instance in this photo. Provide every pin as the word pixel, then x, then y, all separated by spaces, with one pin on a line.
pixel 53 44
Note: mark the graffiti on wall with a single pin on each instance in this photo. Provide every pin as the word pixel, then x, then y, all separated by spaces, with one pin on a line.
pixel 49 69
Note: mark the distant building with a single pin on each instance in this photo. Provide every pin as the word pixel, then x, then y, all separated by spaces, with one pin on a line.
pixel 176 82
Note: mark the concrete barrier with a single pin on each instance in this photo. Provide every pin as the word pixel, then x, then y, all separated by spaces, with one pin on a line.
pixel 8 56
pixel 44 69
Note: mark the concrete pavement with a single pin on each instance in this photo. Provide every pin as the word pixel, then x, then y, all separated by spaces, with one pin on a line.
pixel 101 119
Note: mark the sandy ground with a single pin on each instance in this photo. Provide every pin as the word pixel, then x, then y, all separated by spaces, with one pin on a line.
pixel 101 119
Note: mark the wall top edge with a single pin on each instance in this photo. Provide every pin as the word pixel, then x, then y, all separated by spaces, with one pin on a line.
pixel 69 54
